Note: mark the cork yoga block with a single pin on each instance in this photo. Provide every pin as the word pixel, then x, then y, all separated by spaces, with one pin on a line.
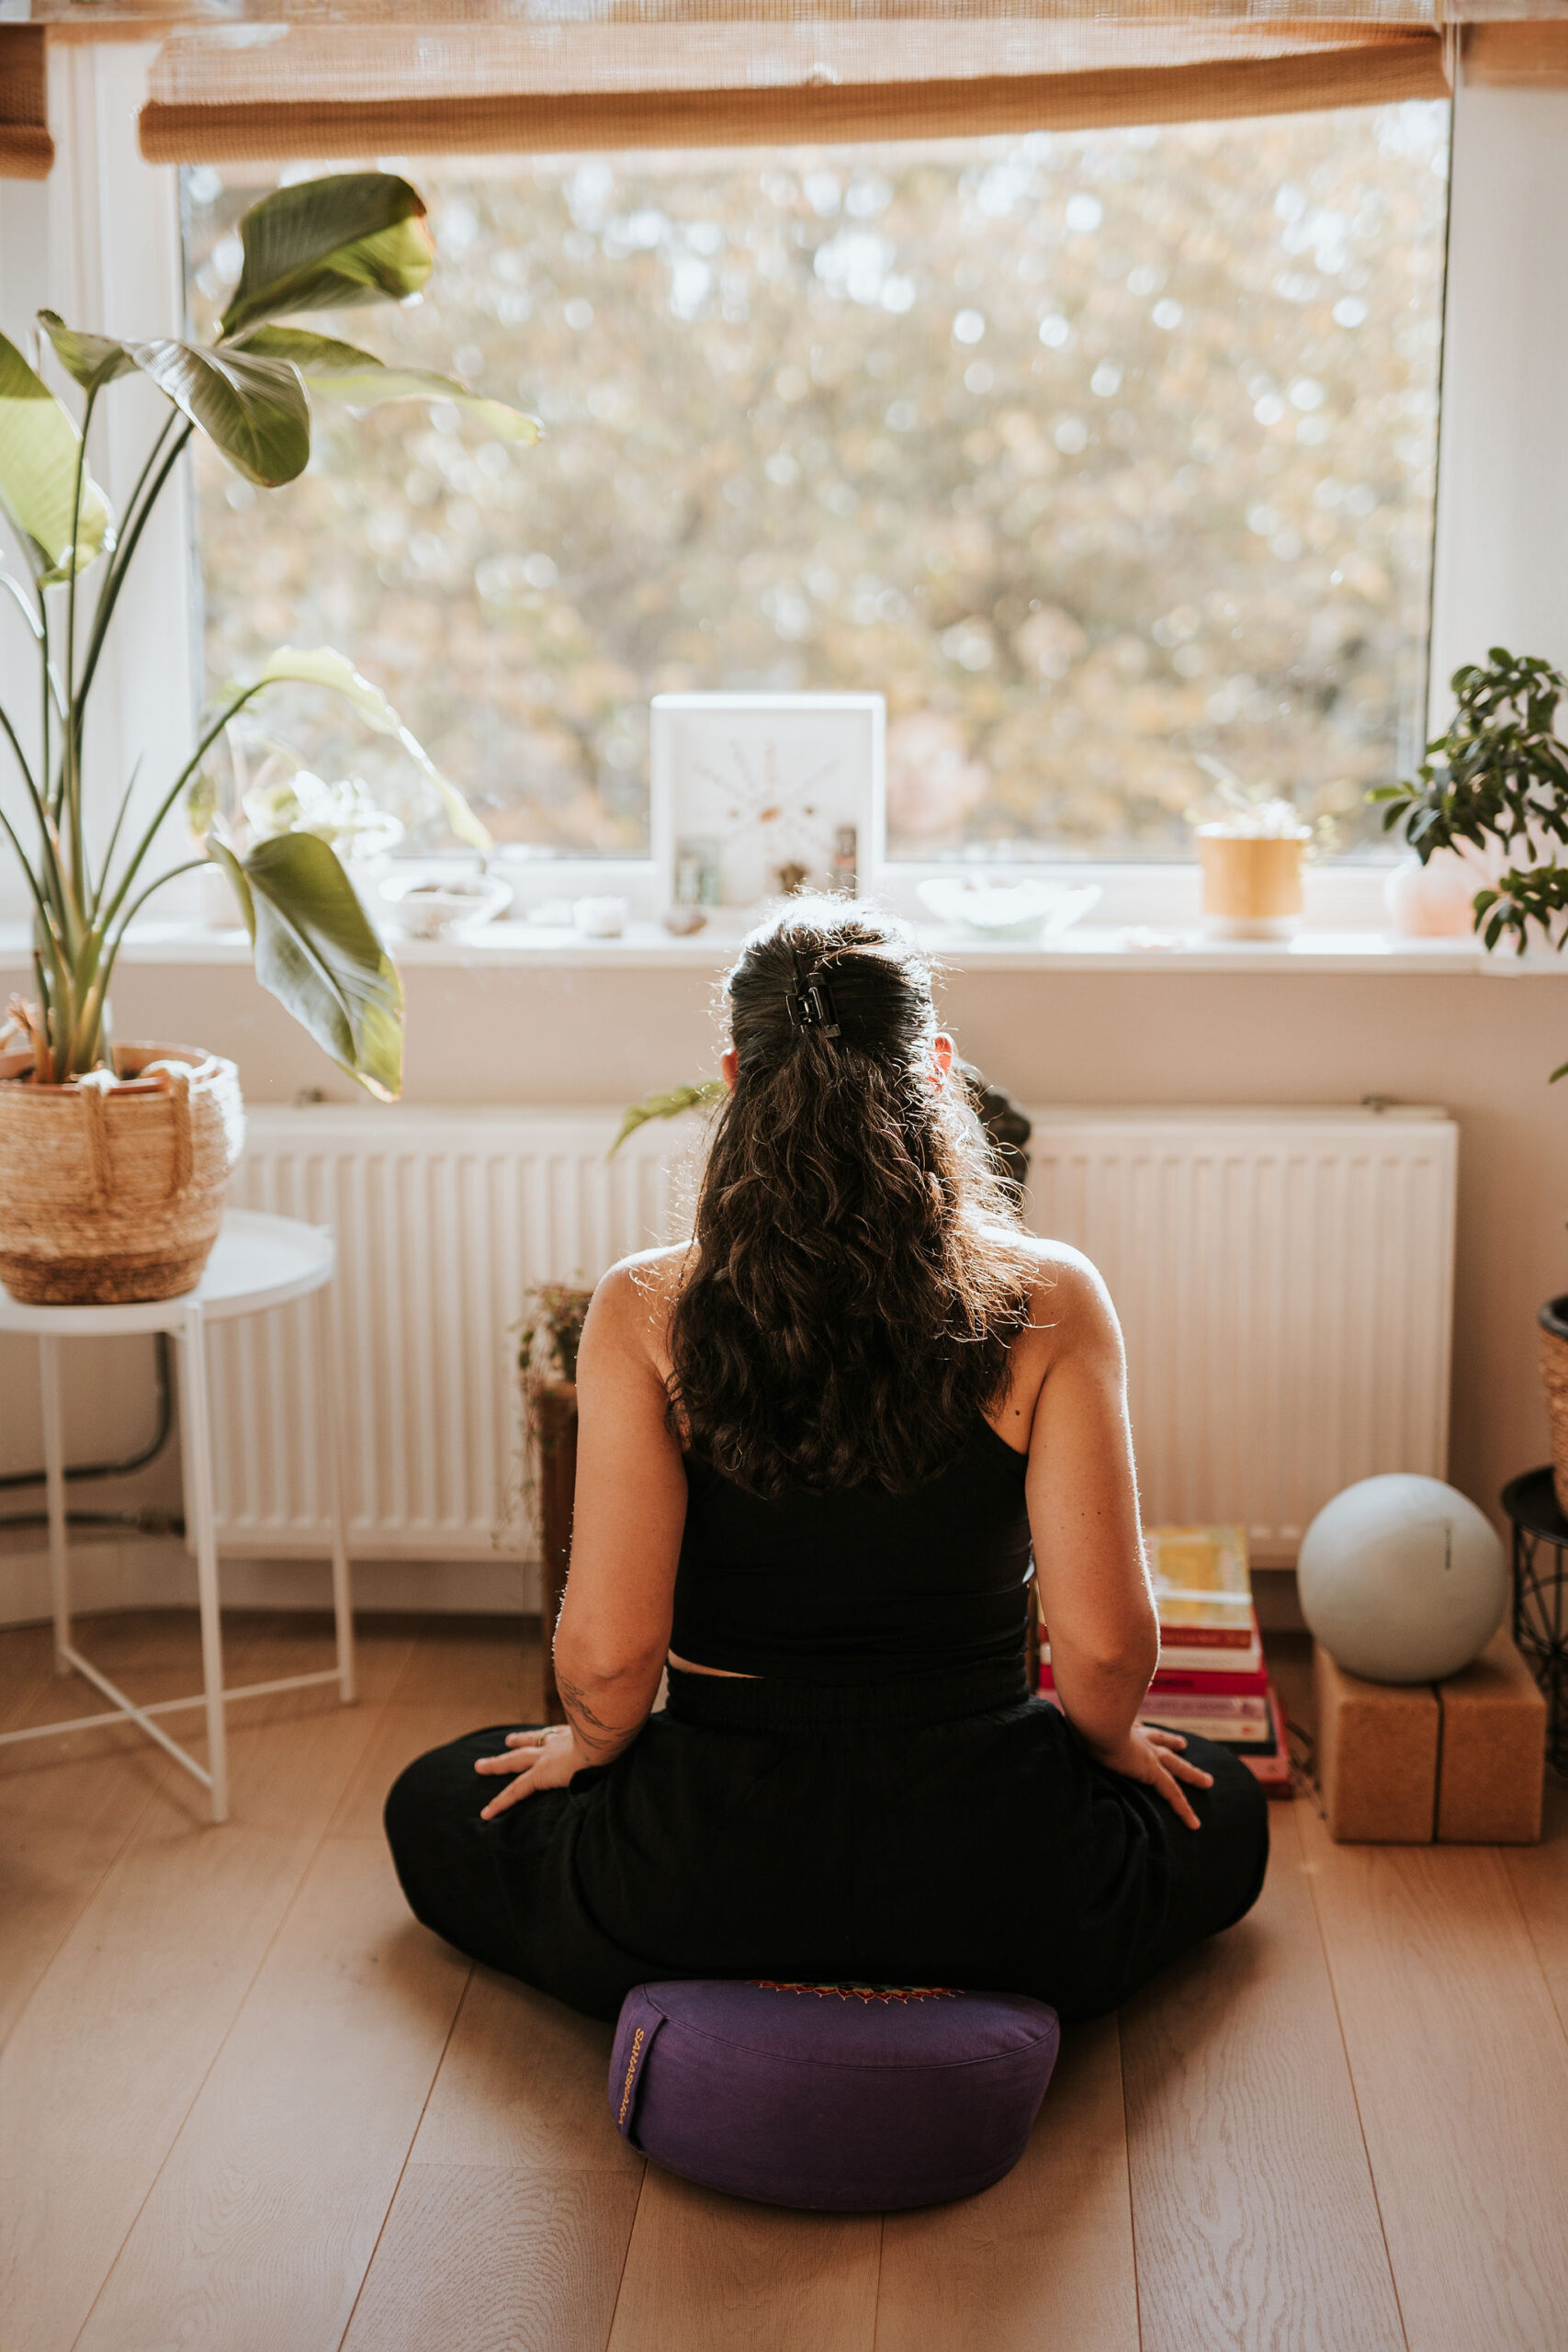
pixel 1377 1749
pixel 1489 1773
pixel 1460 1761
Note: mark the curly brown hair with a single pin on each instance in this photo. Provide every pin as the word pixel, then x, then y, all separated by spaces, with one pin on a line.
pixel 858 1273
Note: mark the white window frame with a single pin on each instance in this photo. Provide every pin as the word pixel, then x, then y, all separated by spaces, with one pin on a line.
pixel 100 241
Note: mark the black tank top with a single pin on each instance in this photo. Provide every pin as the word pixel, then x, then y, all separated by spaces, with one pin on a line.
pixel 859 1586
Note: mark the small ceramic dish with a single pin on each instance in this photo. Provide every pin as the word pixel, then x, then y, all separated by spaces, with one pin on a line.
pixel 1022 912
pixel 428 909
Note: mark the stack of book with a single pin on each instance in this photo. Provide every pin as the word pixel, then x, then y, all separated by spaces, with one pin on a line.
pixel 1210 1680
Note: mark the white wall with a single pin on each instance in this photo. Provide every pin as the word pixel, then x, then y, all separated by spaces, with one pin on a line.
pixel 1502 537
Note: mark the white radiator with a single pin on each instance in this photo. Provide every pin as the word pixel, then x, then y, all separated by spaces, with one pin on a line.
pixel 1284 1279
pixel 444 1220
pixel 1285 1282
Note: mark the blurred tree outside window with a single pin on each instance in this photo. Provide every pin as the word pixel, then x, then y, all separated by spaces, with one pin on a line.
pixel 1092 451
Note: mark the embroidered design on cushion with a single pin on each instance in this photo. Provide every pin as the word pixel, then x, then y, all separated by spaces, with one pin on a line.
pixel 638 2040
pixel 883 1993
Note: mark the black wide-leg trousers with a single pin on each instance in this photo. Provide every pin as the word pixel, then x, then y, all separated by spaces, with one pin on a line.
pixel 953 1831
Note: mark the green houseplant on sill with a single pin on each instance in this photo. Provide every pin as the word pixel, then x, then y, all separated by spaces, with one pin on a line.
pixel 114 1158
pixel 1497 783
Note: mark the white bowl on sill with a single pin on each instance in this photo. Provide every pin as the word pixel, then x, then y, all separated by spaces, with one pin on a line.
pixel 429 910
pixel 1021 913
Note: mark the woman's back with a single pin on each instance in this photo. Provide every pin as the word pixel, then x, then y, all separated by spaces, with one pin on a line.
pixel 813 1447
pixel 857 1585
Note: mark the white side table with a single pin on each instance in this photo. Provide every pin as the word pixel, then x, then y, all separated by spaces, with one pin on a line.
pixel 259 1261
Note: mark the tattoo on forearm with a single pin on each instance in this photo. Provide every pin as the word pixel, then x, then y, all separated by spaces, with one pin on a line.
pixel 592 1730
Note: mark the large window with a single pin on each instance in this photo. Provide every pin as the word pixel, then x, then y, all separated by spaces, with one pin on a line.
pixel 1093 452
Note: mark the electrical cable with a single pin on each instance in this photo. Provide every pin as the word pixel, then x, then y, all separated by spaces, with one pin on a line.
pixel 151 1520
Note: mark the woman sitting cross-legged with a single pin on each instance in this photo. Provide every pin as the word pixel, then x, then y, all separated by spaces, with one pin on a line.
pixel 823 1447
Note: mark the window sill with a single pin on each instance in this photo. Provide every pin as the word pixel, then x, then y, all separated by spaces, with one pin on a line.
pixel 646 946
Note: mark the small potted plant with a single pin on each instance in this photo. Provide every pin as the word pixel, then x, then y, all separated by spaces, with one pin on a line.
pixel 1496 785
pixel 114 1158
pixel 1251 847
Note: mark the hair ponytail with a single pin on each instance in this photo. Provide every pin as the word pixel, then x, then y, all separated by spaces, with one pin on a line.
pixel 857 1276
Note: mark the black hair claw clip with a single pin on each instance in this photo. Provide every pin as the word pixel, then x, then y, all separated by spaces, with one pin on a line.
pixel 810 1006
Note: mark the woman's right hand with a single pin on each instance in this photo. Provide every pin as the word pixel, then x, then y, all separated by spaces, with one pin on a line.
pixel 1154 1757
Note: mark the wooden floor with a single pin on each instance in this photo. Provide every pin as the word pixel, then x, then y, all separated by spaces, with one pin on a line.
pixel 248 2105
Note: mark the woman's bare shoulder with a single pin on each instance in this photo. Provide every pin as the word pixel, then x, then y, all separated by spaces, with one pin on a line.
pixel 635 1295
pixel 1069 1306
pixel 1066 1282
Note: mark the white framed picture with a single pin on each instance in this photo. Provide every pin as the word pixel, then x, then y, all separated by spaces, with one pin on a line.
pixel 754 796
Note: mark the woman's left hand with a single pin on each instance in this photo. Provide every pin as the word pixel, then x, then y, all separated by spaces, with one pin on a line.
pixel 537 1759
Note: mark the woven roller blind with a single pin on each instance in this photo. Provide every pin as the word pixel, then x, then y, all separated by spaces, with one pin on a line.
pixel 339 77
pixel 26 150
pixel 722 74
pixel 1518 56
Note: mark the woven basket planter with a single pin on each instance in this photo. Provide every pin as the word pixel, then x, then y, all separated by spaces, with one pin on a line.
pixel 1555 1378
pixel 110 1193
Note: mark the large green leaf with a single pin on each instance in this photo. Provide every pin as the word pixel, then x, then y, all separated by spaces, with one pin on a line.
pixel 318 952
pixel 255 410
pixel 341 371
pixel 93 359
pixel 324 245
pixel 38 447
pixel 696 1095
pixel 323 667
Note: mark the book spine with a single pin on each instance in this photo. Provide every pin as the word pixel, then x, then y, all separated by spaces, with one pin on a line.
pixel 1211 1637
pixel 1273 1772
pixel 1244 1663
pixel 1253 1733
pixel 1251 1682
pixel 1249 1739
pixel 1217 1706
pixel 1177 1639
pixel 1196 1670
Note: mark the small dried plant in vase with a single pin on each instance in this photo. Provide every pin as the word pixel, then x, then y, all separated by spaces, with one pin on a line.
pixel 1252 844
pixel 547 1339
pixel 550 1332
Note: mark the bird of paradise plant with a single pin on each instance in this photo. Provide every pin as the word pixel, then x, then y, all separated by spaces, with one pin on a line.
pixel 349 239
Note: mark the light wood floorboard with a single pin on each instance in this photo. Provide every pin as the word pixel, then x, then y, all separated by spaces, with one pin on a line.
pixel 246 2102
pixel 487 1667
pixel 706 2273
pixel 493 2258
pixel 259 2229
pixel 1055 2237
pixel 23 1662
pixel 1538 1875
pixel 118 2036
pixel 1253 2209
pixel 1461 2079
pixel 524 2084
pixel 64 1819
pixel 65 1816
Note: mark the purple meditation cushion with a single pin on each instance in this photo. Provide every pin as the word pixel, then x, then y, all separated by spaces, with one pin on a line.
pixel 850 2098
